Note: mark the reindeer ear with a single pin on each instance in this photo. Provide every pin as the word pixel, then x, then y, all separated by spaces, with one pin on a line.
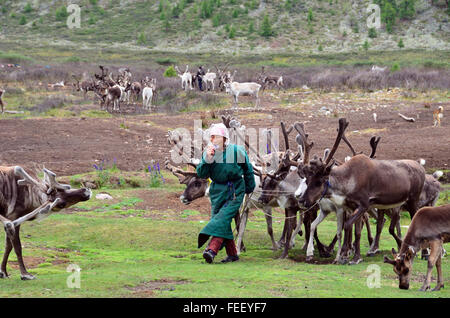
pixel 394 253
pixel 410 253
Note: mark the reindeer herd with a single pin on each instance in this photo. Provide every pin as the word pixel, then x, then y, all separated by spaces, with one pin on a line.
pixel 113 90
pixel 356 189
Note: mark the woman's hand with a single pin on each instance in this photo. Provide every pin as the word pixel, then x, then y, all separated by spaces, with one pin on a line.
pixel 210 151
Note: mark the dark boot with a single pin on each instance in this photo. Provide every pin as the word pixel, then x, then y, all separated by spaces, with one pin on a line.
pixel 232 258
pixel 209 255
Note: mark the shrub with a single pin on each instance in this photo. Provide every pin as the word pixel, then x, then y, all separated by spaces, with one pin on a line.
pixel 266 27
pixel 400 44
pixel 61 13
pixel 395 67
pixel 28 8
pixel 23 20
pixel 372 33
pixel 170 72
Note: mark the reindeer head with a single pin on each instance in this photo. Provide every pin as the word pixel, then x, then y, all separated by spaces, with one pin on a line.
pixel 53 189
pixel 195 188
pixel 317 172
pixel 402 266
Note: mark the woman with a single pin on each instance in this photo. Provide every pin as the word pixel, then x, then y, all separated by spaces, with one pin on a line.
pixel 232 177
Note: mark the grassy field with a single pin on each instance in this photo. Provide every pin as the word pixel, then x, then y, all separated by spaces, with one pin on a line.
pixel 124 251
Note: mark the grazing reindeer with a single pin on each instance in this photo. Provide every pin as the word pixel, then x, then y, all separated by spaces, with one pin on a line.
pixel 236 89
pixel 360 184
pixel 186 78
pixel 438 114
pixel 24 198
pixel 267 80
pixel 430 227
pixel 2 91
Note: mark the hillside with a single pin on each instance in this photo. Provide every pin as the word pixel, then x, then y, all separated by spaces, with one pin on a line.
pixel 228 26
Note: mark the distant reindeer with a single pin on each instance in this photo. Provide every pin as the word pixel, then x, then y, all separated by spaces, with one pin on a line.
pixel 437 116
pixel 267 80
pixel 186 78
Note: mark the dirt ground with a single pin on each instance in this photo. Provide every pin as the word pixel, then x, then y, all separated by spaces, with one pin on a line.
pixel 73 145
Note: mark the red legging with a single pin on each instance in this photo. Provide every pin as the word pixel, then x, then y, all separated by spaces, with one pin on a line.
pixel 216 243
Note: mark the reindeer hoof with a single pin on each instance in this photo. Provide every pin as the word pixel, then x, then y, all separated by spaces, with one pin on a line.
pixel 325 254
pixel 309 259
pixel 438 287
pixel 373 253
pixel 4 275
pixel 27 277
pixel 355 261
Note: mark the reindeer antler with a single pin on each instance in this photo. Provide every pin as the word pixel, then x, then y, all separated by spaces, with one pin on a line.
pixel 342 126
pixel 302 140
pixel 373 144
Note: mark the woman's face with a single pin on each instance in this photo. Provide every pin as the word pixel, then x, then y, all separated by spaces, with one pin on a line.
pixel 218 141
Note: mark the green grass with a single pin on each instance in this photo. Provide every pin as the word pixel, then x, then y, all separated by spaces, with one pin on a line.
pixel 127 252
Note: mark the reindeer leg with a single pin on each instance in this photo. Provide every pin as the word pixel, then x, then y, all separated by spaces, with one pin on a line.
pixel 289 228
pixel 435 255
pixel 24 275
pixel 310 250
pixel 8 248
pixel 268 215
pixel 357 245
pixel 340 226
pixel 440 280
pixel 395 219
pixel 375 244
pixel 369 233
pixel 297 230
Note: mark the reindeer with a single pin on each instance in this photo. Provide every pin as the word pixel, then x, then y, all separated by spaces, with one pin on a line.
pixel 438 114
pixel 147 93
pixel 25 198
pixel 2 91
pixel 430 227
pixel 360 184
pixel 209 78
pixel 267 80
pixel 186 78
pixel 85 86
pixel 236 89
pixel 428 197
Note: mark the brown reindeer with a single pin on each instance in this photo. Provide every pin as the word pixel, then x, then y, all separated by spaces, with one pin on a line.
pixel 430 227
pixel 24 198
pixel 267 80
pixel 362 183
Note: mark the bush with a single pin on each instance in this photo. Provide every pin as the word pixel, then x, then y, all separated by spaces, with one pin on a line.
pixel 170 72
pixel 23 20
pixel 28 8
pixel 266 27
pixel 395 67
pixel 61 13
pixel 372 33
pixel 400 44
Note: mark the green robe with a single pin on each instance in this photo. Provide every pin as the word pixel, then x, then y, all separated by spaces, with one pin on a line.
pixel 232 177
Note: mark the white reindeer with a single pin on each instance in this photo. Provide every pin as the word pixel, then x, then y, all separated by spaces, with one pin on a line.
pixel 209 78
pixel 186 78
pixel 147 94
pixel 237 89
